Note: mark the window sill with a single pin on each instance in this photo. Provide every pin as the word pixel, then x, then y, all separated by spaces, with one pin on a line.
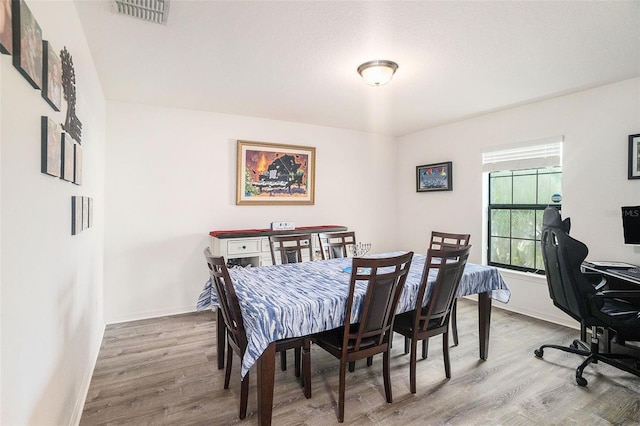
pixel 525 276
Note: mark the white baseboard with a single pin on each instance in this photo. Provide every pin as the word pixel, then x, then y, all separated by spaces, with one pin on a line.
pixel 136 316
pixel 86 380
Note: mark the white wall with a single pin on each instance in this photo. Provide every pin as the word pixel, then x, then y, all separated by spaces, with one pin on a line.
pixel 51 282
pixel 171 179
pixel 595 124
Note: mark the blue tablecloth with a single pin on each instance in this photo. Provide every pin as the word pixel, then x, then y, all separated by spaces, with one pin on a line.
pixel 300 299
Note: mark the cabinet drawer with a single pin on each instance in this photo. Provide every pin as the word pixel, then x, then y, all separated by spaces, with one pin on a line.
pixel 243 246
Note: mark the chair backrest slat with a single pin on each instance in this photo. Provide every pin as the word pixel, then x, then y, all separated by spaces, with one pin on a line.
pixel 448 241
pixel 290 248
pixel 336 244
pixel 384 278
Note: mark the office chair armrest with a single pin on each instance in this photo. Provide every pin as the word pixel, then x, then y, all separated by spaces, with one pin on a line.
pixel 618 294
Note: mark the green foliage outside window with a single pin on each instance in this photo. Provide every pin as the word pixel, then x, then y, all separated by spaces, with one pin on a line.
pixel 517 200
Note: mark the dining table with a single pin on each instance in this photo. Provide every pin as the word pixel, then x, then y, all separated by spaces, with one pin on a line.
pixel 302 299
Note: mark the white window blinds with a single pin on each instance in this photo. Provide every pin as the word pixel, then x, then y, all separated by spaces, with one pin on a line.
pixel 533 154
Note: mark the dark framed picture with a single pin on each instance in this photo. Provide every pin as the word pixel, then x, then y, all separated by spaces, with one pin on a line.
pixel 51 76
pixel 27 44
pixel 278 174
pixel 76 215
pixel 51 152
pixel 68 155
pixel 77 164
pixel 434 177
pixel 634 156
pixel 6 29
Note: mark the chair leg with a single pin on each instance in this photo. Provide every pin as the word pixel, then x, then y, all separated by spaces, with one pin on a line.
pixel 227 371
pixel 296 355
pixel 343 374
pixel 352 366
pixel 387 376
pixel 406 345
pixel 412 365
pixel 445 354
pixel 454 322
pixel 244 395
pixel 425 348
pixel 283 360
pixel 306 368
pixel 369 361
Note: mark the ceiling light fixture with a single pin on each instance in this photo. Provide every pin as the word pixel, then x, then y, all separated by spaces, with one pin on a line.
pixel 377 72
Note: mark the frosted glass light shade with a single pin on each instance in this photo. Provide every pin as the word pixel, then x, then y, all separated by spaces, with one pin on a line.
pixel 378 72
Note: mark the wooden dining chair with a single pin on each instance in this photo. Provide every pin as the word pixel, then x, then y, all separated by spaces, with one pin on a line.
pixel 384 279
pixel 290 248
pixel 448 241
pixel 433 319
pixel 236 333
pixel 336 244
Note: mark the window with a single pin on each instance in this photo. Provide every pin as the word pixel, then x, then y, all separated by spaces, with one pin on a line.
pixel 524 179
pixel 517 200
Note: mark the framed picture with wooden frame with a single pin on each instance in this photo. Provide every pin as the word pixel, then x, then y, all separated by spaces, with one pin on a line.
pixel 434 177
pixel 51 151
pixel 634 156
pixel 27 44
pixel 6 28
pixel 276 174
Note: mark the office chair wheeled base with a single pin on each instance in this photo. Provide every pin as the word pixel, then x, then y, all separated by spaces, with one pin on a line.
pixel 593 356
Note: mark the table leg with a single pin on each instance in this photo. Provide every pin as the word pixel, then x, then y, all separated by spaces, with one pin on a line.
pixel 221 334
pixel 266 376
pixel 484 322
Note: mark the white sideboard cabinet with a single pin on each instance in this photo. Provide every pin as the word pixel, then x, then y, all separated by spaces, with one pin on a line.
pixel 246 247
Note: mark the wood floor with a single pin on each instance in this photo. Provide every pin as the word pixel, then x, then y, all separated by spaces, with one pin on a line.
pixel 163 372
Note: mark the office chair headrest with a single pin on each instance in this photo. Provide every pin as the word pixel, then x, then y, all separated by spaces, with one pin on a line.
pixel 553 219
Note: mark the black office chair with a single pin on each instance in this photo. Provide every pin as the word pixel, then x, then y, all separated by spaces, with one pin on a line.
pixel 574 294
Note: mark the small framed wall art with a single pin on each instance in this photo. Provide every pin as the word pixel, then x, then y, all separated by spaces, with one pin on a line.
pixel 51 76
pixel 6 29
pixel 77 164
pixel 51 152
pixel 277 174
pixel 434 177
pixel 634 156
pixel 27 44
pixel 76 215
pixel 67 158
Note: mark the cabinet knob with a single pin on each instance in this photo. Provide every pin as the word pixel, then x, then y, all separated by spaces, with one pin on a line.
pixel 244 247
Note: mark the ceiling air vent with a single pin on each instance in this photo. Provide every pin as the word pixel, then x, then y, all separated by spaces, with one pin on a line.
pixel 147 10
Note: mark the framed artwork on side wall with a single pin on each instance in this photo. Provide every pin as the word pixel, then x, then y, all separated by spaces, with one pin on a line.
pixel 76 215
pixel 275 174
pixel 67 158
pixel 51 151
pixel 77 169
pixel 434 177
pixel 634 157
pixel 27 44
pixel 6 29
pixel 51 76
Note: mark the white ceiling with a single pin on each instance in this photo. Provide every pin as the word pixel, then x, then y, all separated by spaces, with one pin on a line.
pixel 296 61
